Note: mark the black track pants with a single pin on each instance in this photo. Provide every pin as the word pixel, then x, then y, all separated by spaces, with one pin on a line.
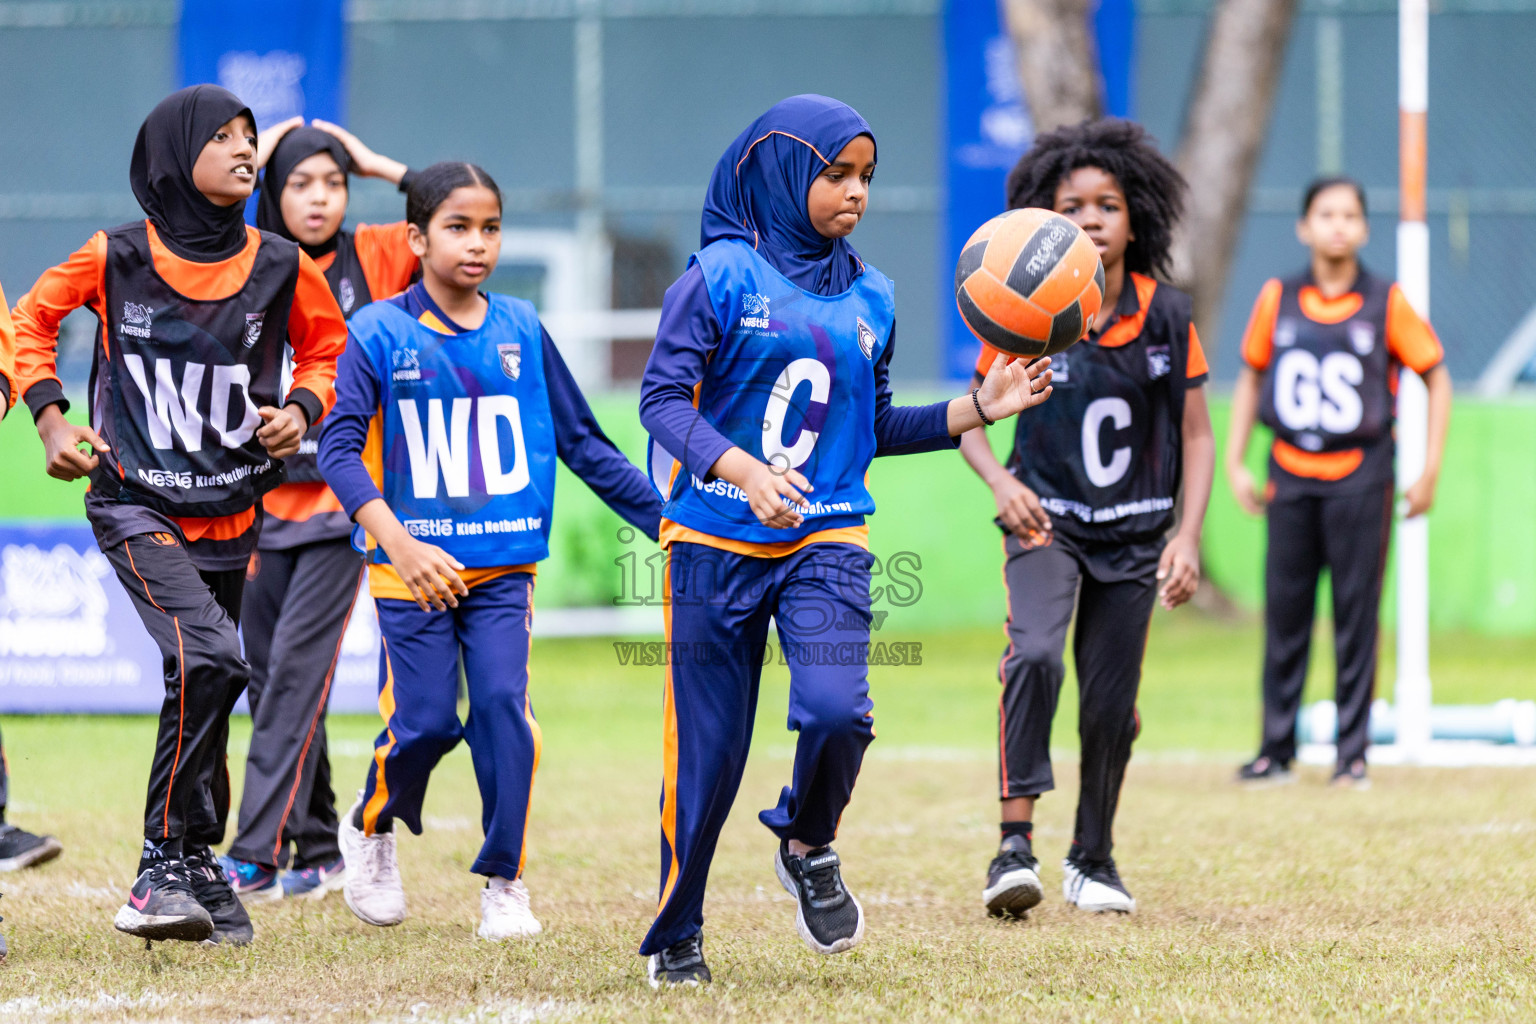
pixel 1348 533
pixel 1107 646
pixel 192 615
pixel 297 606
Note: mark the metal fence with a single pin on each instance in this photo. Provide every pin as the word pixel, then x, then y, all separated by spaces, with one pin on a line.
pixel 607 115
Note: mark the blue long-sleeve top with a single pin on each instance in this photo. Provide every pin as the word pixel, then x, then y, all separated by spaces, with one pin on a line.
pixel 686 338
pixel 579 440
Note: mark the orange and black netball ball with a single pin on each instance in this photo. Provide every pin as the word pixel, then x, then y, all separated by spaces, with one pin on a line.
pixel 1029 283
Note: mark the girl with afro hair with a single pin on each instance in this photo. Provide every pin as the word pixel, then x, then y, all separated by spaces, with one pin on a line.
pixel 1086 503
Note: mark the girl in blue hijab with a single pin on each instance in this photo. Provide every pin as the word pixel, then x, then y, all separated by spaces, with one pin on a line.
pixel 767 396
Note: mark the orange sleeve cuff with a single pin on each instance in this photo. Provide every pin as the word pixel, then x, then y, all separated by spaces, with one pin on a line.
pixel 1196 366
pixel 386 257
pixel 318 333
pixel 1258 339
pixel 1410 338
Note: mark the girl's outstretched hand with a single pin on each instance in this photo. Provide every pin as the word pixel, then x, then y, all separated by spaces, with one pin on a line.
pixel 1008 390
pixel 365 161
pixel 269 139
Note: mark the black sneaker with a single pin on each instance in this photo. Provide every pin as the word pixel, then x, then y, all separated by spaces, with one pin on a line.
pixel 681 963
pixel 21 849
pixel 161 906
pixel 1095 886
pixel 1264 771
pixel 1013 880
pixel 828 918
pixel 1351 776
pixel 231 923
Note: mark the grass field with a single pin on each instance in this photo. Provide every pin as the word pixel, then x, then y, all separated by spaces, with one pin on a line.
pixel 1413 901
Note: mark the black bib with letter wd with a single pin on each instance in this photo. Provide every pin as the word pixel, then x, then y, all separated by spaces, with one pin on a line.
pixel 350 288
pixel 1104 454
pixel 177 394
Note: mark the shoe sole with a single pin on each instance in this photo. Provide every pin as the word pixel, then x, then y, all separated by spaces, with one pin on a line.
pixel 535 933
pixel 219 938
pixel 1127 906
pixel 266 894
pixel 321 891
pixel 657 983
pixel 162 928
pixel 1267 782
pixel 841 945
pixel 1015 894
pixel 45 851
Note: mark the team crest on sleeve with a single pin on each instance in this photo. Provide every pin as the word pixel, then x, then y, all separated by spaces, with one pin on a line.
pixel 1362 337
pixel 253 322
pixel 866 339
pixel 754 311
pixel 348 295
pixel 1061 369
pixel 137 319
pixel 511 359
pixel 1159 361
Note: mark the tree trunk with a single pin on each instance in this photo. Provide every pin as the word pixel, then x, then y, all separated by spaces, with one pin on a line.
pixel 1224 130
pixel 1057 63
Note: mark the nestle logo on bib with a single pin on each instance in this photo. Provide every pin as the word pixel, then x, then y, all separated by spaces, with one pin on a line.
pixel 754 311
pixel 407 365
pixel 253 322
pixel 137 319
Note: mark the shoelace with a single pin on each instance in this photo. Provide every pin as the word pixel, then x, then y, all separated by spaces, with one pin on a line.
pixel 377 850
pixel 1016 859
pixel 163 873
pixel 826 886
pixel 683 955
pixel 518 894
pixel 1103 872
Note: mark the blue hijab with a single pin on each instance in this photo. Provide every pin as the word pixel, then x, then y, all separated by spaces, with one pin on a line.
pixel 759 189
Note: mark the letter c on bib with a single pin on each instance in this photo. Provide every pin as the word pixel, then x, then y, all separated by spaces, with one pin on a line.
pixel 1101 473
pixel 798 372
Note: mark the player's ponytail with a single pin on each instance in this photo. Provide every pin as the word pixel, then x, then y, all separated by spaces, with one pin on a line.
pixel 433 186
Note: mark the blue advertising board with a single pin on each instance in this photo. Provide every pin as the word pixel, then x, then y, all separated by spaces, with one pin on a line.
pixel 283 57
pixel 989 126
pixel 71 641
pixel 989 129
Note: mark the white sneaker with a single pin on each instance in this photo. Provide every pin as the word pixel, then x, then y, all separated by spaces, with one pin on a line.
pixel 372 889
pixel 1096 888
pixel 504 911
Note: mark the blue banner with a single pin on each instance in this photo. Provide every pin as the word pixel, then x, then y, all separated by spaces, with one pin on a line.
pixel 989 127
pixel 71 641
pixel 282 57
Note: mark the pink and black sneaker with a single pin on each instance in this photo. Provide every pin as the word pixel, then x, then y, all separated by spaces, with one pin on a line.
pixel 161 905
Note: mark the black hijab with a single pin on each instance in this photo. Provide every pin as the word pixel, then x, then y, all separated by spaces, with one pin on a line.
pixel 293 149
pixel 169 142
